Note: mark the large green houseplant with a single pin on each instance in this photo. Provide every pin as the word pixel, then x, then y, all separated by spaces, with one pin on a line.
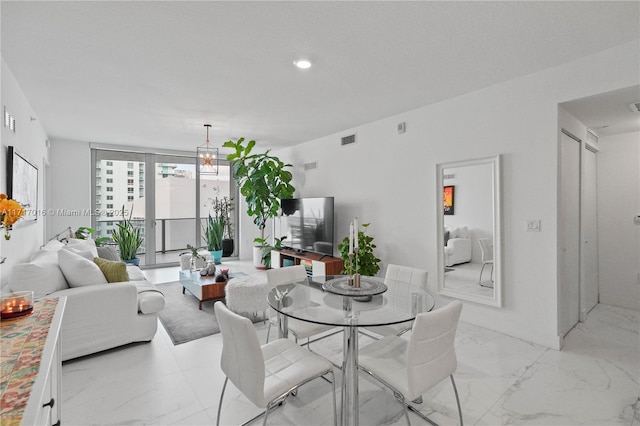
pixel 263 180
pixel 368 263
pixel 128 237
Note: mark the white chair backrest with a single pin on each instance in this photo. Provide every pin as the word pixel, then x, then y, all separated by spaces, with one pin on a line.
pixel 486 249
pixel 431 355
pixel 286 275
pixel 242 361
pixel 414 276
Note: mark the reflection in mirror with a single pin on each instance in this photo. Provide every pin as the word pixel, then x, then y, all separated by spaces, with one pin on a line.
pixel 469 230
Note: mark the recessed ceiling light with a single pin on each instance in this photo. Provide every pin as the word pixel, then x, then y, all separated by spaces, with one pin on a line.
pixel 302 63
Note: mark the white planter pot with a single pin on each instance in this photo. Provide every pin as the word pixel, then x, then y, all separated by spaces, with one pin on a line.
pixel 257 257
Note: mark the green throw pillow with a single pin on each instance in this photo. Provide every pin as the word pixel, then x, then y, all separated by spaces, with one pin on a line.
pixel 114 272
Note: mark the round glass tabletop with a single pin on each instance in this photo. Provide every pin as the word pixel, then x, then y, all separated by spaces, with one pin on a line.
pixel 308 301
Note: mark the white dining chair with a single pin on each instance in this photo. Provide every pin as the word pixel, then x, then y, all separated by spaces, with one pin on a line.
pixel 486 249
pixel 265 374
pixel 403 274
pixel 412 367
pixel 299 329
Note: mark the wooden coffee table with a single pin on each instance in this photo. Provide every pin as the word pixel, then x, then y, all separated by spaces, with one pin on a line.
pixel 203 288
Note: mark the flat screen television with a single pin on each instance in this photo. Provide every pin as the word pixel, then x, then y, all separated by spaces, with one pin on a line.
pixel 307 224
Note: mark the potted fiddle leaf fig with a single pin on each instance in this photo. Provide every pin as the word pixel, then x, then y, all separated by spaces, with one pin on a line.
pixel 368 263
pixel 263 180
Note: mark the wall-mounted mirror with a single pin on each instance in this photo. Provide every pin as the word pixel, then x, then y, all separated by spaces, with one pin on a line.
pixel 468 221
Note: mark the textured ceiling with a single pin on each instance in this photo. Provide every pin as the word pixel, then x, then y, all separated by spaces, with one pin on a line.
pixel 151 74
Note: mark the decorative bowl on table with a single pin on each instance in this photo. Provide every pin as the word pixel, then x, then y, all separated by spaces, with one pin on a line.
pixel 369 286
pixel 16 304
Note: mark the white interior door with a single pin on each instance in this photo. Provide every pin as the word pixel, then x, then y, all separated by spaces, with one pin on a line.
pixel 569 234
pixel 590 272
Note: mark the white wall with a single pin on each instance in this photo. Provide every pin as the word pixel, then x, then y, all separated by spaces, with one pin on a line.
pixel 30 140
pixel 388 179
pixel 70 186
pixel 618 203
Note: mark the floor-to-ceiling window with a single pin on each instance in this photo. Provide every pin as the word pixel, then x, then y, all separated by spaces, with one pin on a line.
pixel 158 193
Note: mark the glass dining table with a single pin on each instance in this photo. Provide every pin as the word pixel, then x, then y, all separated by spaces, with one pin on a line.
pixel 330 301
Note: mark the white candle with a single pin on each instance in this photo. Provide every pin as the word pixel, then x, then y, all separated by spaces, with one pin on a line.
pixel 356 234
pixel 351 238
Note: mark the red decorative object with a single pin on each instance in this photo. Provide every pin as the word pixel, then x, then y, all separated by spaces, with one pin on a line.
pixel 16 304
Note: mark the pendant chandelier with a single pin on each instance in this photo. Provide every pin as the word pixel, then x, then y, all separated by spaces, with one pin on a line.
pixel 207 157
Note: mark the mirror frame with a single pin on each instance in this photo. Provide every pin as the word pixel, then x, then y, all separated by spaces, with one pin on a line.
pixel 495 162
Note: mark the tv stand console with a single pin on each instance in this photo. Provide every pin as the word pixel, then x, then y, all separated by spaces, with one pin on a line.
pixel 316 264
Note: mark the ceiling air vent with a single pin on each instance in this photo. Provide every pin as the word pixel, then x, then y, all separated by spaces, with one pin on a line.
pixel 635 107
pixel 592 137
pixel 310 166
pixel 449 176
pixel 347 140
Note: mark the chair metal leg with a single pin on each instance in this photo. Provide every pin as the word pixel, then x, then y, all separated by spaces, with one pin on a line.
pixel 482 269
pixel 455 390
pixel 224 386
pixel 400 399
pixel 396 393
pixel 335 409
pixel 266 415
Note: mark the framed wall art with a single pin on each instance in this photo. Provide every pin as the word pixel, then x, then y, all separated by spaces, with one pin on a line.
pixel 22 183
pixel 448 199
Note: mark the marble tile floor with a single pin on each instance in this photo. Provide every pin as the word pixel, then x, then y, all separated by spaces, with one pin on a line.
pixel 594 380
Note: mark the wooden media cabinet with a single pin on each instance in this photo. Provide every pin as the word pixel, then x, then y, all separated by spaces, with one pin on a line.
pixel 316 264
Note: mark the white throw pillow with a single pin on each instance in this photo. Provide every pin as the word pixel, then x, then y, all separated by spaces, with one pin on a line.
pixel 84 253
pixel 42 275
pixel 462 232
pixel 79 271
pixel 51 246
pixel 84 245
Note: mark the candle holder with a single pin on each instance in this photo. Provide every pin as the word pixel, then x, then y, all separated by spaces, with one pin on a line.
pixel 16 304
pixel 356 274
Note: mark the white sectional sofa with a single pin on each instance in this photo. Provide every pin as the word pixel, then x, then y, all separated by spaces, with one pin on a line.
pixel 99 315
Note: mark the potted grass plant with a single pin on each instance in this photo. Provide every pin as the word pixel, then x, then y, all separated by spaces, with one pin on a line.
pixel 128 237
pixel 213 234
pixel 223 207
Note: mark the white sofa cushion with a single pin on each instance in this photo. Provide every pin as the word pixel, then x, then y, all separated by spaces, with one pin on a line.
pixel 84 245
pixel 135 273
pixel 42 275
pixel 79 271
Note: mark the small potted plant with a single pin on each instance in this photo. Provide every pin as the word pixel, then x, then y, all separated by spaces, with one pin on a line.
pixel 368 263
pixel 213 234
pixel 128 237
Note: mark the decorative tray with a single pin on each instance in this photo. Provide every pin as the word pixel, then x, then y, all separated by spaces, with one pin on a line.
pixel 368 287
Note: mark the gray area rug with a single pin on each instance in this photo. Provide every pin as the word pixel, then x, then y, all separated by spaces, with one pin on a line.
pixel 181 317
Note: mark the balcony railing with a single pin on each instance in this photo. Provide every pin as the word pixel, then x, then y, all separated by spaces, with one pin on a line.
pixel 172 234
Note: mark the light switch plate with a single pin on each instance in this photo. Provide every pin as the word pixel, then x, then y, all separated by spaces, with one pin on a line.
pixel 533 225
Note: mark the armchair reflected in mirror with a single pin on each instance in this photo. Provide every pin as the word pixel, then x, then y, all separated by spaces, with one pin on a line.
pixel 469 251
